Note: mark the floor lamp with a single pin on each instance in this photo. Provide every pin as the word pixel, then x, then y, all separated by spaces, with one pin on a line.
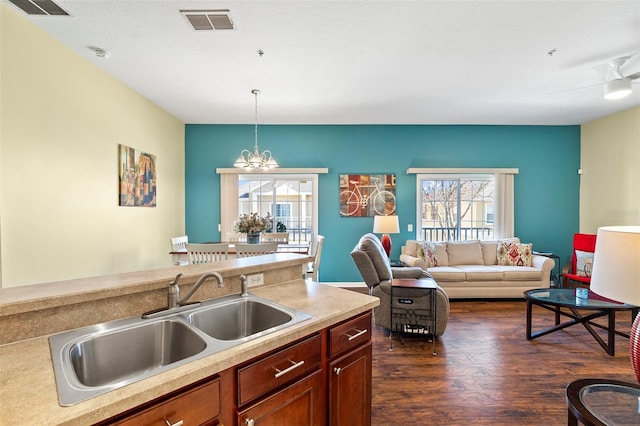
pixel 616 275
pixel 386 225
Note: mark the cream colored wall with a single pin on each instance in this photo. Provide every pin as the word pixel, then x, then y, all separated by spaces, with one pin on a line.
pixel 62 119
pixel 610 161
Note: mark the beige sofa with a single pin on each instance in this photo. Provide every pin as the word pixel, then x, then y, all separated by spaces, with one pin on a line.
pixel 469 269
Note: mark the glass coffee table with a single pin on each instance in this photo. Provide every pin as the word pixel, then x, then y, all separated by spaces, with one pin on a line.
pixel 597 402
pixel 563 302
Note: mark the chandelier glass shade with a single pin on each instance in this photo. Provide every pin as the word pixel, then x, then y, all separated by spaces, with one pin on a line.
pixel 256 159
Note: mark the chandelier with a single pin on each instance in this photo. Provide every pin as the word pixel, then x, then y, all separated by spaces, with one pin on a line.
pixel 256 159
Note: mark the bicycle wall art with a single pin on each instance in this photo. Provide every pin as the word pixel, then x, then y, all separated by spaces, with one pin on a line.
pixel 367 195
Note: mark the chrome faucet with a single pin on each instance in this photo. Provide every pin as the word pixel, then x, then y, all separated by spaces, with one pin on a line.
pixel 244 284
pixel 198 283
pixel 174 303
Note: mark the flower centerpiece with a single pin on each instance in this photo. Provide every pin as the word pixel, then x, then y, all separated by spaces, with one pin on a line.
pixel 252 225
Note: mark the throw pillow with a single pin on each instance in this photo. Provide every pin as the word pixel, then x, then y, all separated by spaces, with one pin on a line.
pixel 427 252
pixel 584 263
pixel 513 254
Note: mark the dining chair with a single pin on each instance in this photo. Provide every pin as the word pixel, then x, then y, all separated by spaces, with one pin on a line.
pixel 178 243
pixel 275 237
pixel 179 250
pixel 314 267
pixel 236 237
pixel 249 250
pixel 207 253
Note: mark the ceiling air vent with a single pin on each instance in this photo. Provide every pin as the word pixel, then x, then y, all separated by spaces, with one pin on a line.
pixel 209 20
pixel 39 7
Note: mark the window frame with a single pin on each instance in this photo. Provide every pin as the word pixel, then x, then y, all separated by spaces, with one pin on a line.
pixel 504 195
pixel 229 192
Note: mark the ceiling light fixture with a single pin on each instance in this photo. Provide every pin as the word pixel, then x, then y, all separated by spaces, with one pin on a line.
pixel 617 89
pixel 256 159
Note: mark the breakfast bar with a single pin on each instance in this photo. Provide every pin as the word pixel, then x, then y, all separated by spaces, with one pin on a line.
pixel 28 387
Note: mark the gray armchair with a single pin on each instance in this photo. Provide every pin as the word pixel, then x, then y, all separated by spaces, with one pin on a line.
pixel 373 264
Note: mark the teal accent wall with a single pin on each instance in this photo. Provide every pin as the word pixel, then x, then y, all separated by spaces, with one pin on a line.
pixel 546 189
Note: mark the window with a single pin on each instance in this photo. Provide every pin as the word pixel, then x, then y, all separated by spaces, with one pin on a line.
pixel 464 204
pixel 454 208
pixel 290 198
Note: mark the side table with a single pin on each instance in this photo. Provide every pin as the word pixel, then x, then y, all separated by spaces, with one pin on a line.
pixel 556 277
pixel 411 319
pixel 598 402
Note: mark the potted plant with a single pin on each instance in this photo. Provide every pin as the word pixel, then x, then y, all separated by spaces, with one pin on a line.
pixel 252 224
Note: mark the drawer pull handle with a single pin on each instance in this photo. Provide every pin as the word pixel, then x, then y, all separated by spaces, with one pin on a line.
pixel 178 423
pixel 358 334
pixel 337 370
pixel 293 366
pixel 249 422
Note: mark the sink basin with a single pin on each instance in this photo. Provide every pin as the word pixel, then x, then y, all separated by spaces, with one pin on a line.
pixel 239 319
pixel 93 360
pixel 112 357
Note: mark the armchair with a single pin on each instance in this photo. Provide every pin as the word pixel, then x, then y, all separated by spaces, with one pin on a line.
pixel 577 273
pixel 373 264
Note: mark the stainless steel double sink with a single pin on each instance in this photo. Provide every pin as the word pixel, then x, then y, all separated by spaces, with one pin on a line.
pixel 93 360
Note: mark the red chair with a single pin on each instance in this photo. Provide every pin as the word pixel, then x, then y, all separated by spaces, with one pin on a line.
pixel 570 277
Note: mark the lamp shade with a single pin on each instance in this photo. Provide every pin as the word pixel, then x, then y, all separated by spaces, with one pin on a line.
pixel 616 275
pixel 616 264
pixel 386 225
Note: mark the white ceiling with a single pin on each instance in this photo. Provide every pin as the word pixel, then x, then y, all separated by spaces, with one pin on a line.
pixel 362 62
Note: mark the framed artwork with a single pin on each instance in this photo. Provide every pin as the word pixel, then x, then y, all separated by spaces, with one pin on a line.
pixel 137 177
pixel 367 195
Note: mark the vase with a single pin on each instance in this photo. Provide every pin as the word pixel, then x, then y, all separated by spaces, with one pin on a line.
pixel 253 238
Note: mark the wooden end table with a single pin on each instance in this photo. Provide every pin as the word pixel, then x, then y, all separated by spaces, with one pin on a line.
pixel 409 319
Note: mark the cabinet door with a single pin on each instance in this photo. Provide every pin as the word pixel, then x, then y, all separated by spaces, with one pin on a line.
pixel 197 406
pixel 350 388
pixel 300 404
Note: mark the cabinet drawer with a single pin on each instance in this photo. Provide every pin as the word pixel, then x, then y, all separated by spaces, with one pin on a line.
pixel 278 369
pixel 197 406
pixel 352 333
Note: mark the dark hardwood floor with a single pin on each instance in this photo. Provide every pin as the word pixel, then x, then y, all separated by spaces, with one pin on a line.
pixel 486 372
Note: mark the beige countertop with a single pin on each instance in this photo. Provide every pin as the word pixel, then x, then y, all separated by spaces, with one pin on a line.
pixel 28 394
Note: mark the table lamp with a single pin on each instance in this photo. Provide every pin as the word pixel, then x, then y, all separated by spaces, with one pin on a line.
pixel 386 225
pixel 616 275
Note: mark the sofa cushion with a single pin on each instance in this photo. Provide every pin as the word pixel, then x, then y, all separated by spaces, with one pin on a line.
pixel 441 253
pixel 584 263
pixel 512 254
pixel 489 252
pixel 427 252
pixel 411 248
pixel 447 273
pixel 521 273
pixel 465 253
pixel 481 272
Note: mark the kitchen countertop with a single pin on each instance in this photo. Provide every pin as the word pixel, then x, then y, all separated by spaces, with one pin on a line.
pixel 28 393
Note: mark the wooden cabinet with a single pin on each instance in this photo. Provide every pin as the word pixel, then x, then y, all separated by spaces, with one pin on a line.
pixel 301 403
pixel 350 388
pixel 199 405
pixel 324 378
pixel 349 372
pixel 284 387
pixel 284 366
